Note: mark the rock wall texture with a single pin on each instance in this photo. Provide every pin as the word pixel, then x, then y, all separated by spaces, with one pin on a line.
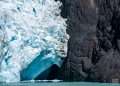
pixel 82 21
pixel 94 45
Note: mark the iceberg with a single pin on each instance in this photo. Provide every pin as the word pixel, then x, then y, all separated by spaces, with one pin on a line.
pixel 32 38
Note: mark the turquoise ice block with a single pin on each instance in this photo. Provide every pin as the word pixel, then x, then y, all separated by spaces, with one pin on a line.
pixel 37 67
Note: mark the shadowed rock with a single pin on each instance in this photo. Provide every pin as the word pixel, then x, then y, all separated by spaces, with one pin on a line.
pixel 94 46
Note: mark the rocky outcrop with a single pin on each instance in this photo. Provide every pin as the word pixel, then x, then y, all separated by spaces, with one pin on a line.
pixel 94 46
pixel 107 65
pixel 82 21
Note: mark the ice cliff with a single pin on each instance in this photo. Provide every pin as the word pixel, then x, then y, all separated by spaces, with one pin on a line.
pixel 27 28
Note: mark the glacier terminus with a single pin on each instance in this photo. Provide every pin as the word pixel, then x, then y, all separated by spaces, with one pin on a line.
pixel 32 38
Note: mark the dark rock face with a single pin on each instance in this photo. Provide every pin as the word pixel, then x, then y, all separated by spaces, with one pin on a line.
pixel 82 21
pixel 107 66
pixel 94 46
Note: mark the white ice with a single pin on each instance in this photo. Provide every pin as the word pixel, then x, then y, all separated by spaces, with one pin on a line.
pixel 27 27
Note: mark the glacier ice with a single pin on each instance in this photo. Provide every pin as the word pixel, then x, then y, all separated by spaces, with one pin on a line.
pixel 27 28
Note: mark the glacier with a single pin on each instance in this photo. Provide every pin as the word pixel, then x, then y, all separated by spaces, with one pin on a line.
pixel 30 30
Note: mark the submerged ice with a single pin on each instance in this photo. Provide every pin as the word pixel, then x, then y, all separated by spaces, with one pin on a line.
pixel 27 28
